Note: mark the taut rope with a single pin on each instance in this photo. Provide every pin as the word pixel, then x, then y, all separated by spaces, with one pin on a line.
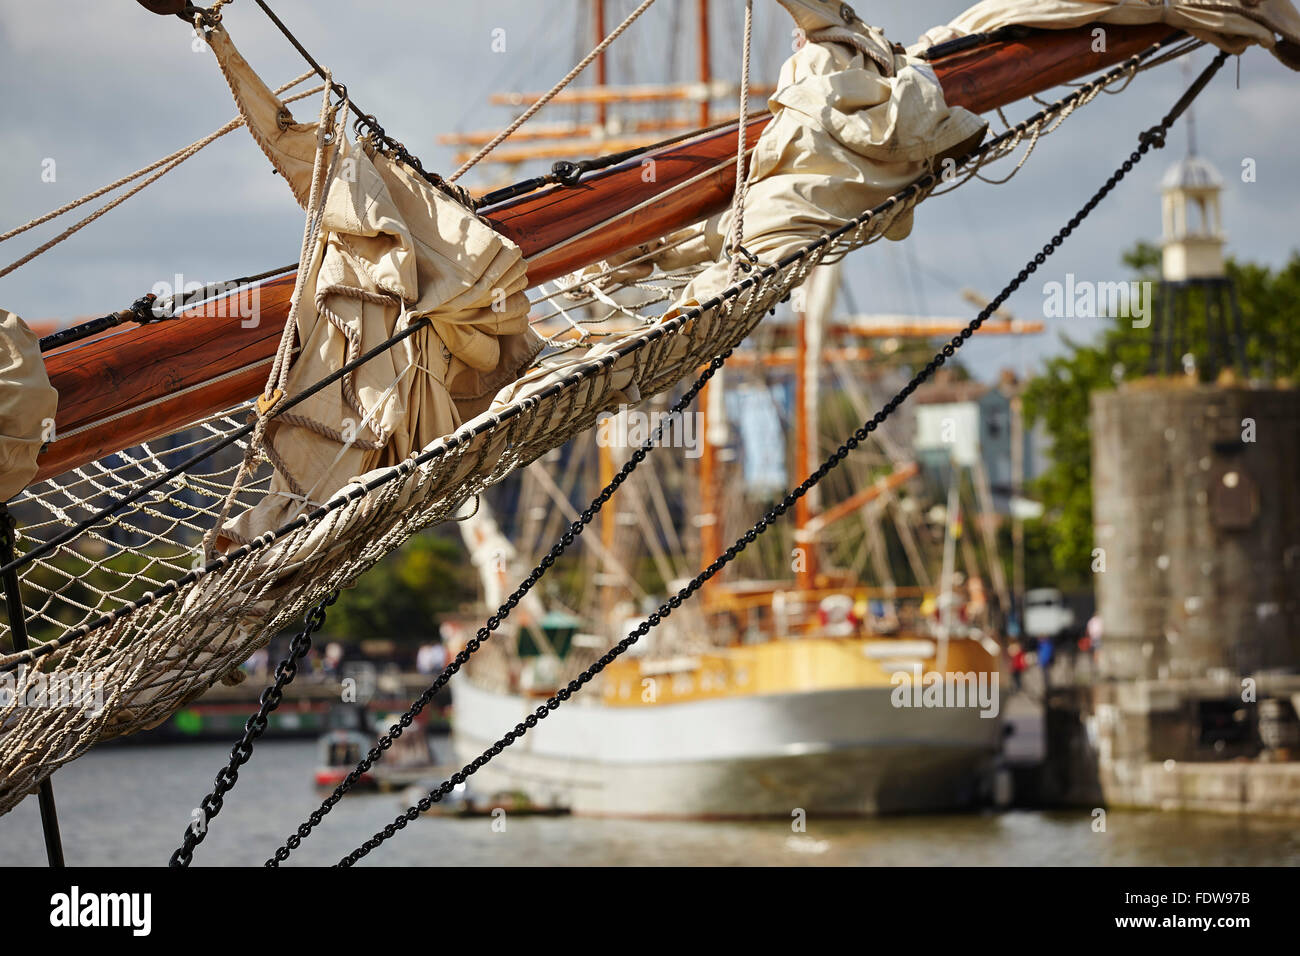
pixel 549 95
pixel 168 163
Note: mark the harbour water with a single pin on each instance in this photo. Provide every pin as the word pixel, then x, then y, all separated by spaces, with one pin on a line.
pixel 129 806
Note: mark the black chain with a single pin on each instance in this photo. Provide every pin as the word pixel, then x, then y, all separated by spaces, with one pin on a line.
pixel 254 728
pixel 494 622
pixel 1154 137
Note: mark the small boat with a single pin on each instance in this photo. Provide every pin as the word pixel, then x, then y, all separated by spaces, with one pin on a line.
pixel 353 729
pixel 341 748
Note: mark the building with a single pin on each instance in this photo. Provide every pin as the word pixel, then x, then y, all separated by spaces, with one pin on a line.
pixel 1197 526
pixel 968 423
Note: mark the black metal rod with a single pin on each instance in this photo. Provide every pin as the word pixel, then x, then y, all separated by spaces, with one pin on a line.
pixel 75 333
pixel 18 630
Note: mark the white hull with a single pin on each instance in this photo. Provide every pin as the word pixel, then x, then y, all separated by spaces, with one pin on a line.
pixel 847 751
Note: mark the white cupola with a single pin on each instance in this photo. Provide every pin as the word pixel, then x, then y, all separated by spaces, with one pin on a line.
pixel 1193 233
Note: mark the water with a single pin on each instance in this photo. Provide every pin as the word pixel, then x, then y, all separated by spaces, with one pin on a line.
pixel 130 805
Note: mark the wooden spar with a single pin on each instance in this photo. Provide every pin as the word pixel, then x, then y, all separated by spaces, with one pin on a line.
pixel 703 36
pixel 567 131
pixel 602 67
pixel 649 93
pixel 164 7
pixel 139 383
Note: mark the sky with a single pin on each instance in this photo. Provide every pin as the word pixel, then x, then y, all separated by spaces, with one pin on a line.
pixel 102 88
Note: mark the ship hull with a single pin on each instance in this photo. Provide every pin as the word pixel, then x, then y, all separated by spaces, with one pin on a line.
pixel 843 752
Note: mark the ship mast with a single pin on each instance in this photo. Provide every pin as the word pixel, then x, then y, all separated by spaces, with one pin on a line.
pixel 710 398
pixel 605 454
pixel 819 301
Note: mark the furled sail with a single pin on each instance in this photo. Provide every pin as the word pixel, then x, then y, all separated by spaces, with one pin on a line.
pixel 854 121
pixel 389 250
pixel 27 404
pixel 1231 25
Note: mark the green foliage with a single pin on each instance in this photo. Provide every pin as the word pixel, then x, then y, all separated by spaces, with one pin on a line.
pixel 1058 399
pixel 403 596
pixel 80 583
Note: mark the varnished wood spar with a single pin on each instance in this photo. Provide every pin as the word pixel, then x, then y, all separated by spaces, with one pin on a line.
pixel 164 366
pixel 561 229
pixel 983 79
pixel 160 375
pixel 170 367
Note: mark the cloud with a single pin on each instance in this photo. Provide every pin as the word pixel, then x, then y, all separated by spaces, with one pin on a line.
pixel 104 88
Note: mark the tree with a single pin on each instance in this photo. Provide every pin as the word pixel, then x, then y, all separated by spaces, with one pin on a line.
pixel 403 596
pixel 1058 397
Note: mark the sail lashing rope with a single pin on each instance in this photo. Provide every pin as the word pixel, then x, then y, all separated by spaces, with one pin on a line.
pixel 163 167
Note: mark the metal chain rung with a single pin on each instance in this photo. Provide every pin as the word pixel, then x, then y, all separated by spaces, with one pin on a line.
pixel 254 728
pixel 484 633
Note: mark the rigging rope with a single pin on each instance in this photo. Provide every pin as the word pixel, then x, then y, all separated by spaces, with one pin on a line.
pixel 328 134
pixel 366 121
pixel 148 309
pixel 568 173
pixel 550 94
pixel 167 164
pixel 736 239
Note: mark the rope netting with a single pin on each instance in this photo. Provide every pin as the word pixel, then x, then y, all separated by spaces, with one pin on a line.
pixel 130 619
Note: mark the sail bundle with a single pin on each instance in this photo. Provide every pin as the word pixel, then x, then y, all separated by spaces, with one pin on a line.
pixel 27 404
pixel 1231 25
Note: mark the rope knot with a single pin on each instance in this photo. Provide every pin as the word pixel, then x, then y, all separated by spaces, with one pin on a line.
pixel 266 402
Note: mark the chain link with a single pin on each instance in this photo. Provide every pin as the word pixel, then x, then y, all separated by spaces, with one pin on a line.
pixel 471 646
pixel 254 728
pixel 1152 138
